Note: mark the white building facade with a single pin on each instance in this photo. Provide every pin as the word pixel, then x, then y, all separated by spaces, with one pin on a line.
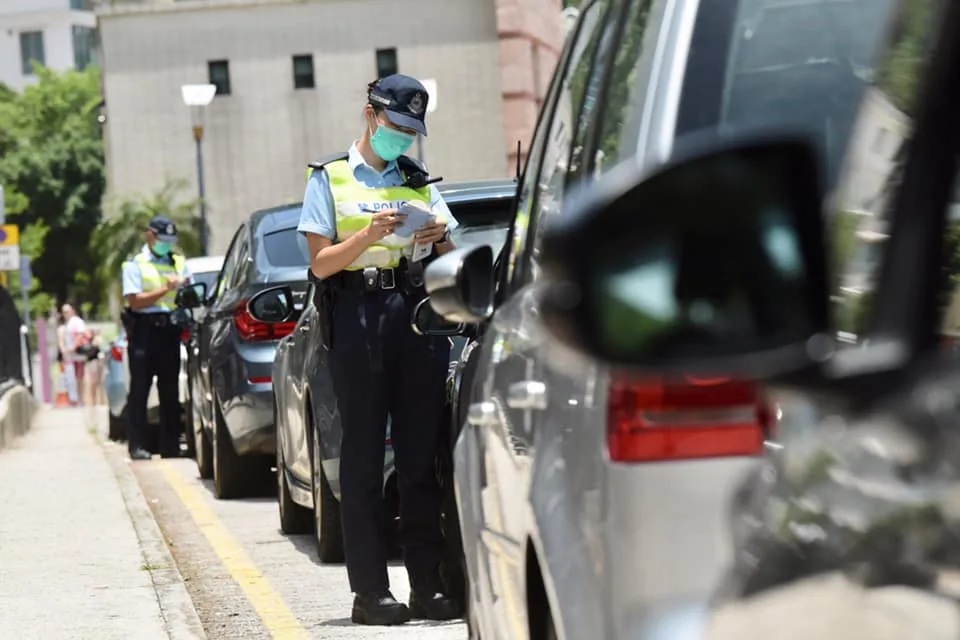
pixel 59 34
pixel 292 77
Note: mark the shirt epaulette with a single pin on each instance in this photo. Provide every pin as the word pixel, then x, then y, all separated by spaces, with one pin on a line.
pixel 333 157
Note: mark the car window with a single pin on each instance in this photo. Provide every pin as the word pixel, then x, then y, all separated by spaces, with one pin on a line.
pixel 543 195
pixel 229 263
pixel 283 249
pixel 483 222
pixel 241 268
pixel 879 146
pixel 753 65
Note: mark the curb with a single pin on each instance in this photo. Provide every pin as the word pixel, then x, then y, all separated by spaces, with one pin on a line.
pixel 176 605
pixel 17 410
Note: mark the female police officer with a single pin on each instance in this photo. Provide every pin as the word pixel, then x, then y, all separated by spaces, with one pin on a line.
pixel 378 364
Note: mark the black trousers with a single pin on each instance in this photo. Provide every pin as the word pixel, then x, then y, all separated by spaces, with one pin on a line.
pixel 379 367
pixel 153 351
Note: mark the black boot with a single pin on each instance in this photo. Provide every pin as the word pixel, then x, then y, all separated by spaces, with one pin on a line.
pixel 379 608
pixel 428 602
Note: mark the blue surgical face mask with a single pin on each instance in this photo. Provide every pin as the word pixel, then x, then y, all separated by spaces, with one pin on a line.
pixel 162 248
pixel 390 144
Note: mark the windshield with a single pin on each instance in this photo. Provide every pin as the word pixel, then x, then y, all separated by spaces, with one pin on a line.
pixel 284 248
pixel 482 222
pixel 208 278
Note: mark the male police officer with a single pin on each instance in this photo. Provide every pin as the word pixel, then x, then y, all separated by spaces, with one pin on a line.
pixel 379 366
pixel 150 282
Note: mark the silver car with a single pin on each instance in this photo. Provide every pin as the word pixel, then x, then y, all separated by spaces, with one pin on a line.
pixel 591 503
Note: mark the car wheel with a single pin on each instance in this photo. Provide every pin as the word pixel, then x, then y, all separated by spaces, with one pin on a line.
pixel 189 426
pixel 453 567
pixel 326 514
pixel 234 475
pixel 117 429
pixel 293 518
pixel 203 449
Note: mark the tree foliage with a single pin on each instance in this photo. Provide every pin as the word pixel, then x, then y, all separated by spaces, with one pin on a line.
pixel 52 168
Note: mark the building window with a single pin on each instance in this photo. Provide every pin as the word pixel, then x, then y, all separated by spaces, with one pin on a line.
pixel 386 62
pixel 303 77
pixel 80 5
pixel 31 50
pixel 219 72
pixel 84 44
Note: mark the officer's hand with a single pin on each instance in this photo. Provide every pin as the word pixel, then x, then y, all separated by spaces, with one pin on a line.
pixel 431 233
pixel 173 282
pixel 383 223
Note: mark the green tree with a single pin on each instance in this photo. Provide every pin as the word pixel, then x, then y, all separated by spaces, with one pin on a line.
pixel 52 167
pixel 120 235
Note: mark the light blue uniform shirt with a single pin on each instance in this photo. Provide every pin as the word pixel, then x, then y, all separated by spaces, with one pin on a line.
pixel 133 279
pixel 319 213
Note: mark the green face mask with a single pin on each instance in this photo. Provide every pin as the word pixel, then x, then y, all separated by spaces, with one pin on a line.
pixel 162 248
pixel 390 144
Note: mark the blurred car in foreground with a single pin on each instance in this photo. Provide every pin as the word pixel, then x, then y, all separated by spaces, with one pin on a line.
pixel 230 368
pixel 308 423
pixel 203 269
pixel 593 501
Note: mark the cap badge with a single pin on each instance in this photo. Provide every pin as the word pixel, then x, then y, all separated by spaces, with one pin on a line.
pixel 416 104
pixel 169 230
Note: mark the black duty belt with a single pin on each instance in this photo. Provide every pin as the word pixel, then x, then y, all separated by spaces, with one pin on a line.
pixel 404 277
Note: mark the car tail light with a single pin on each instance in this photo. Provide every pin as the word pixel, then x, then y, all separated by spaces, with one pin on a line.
pixel 116 353
pixel 185 335
pixel 255 330
pixel 654 420
pixel 260 379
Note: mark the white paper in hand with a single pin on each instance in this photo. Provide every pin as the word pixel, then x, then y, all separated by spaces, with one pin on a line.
pixel 417 217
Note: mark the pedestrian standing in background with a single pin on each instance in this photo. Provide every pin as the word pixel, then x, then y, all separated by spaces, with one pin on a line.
pixel 74 328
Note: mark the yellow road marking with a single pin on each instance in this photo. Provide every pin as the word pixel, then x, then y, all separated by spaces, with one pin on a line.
pixel 271 608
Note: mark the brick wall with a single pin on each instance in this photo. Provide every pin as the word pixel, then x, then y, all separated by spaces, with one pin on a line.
pixel 531 35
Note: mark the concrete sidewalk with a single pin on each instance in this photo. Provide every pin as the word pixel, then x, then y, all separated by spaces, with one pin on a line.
pixel 80 554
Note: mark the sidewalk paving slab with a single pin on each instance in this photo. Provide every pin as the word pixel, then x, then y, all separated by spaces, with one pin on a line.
pixel 80 554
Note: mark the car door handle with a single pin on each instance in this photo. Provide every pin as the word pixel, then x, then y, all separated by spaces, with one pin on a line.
pixel 482 414
pixel 304 328
pixel 529 394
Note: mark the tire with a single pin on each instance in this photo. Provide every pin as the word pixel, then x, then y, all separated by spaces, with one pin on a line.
pixel 294 519
pixel 203 449
pixel 234 476
pixel 326 514
pixel 453 568
pixel 117 428
pixel 188 427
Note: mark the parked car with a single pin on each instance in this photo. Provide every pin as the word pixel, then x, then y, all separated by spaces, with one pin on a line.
pixel 232 352
pixel 308 424
pixel 852 532
pixel 592 501
pixel 203 269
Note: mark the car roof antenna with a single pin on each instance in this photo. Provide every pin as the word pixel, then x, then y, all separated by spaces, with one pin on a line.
pixel 516 177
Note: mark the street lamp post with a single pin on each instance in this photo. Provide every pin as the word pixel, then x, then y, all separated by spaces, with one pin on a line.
pixel 198 96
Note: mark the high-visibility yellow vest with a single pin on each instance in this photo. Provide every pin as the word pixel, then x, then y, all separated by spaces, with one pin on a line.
pixel 354 201
pixel 154 276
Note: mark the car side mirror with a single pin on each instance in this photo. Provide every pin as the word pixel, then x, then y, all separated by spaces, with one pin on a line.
pixel 191 296
pixel 713 264
pixel 427 322
pixel 461 284
pixel 272 305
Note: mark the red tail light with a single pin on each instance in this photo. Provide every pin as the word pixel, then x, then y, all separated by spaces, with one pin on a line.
pixel 116 353
pixel 260 379
pixel 185 336
pixel 254 330
pixel 653 420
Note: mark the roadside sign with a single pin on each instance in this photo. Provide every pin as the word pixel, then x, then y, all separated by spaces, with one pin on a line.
pixel 9 247
pixel 431 86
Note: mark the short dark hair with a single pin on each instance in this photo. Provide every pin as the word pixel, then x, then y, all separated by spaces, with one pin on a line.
pixel 377 108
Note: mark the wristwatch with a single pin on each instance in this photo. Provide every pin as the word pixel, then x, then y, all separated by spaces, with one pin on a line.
pixel 445 238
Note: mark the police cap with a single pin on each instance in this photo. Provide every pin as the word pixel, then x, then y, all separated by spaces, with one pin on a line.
pixel 164 227
pixel 403 98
